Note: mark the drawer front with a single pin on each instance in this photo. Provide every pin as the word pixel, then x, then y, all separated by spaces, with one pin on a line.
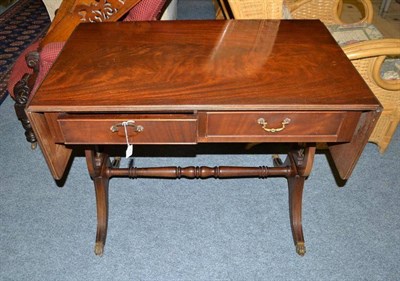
pixel 311 126
pixel 143 129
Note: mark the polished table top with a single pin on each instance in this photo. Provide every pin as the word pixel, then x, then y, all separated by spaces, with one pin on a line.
pixel 203 65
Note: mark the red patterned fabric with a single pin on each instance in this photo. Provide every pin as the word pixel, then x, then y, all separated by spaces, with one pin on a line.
pixel 48 55
pixel 145 10
pixel 20 68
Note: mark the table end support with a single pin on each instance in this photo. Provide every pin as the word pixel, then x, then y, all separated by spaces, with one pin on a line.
pixel 296 185
pixel 300 160
pixel 98 165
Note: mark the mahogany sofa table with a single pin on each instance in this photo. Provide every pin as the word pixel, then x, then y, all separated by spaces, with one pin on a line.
pixel 189 82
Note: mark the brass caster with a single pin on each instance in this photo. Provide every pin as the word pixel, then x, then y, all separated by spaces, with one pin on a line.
pixel 99 249
pixel 300 249
pixel 33 145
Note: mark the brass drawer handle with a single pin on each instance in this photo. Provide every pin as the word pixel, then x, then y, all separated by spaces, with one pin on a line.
pixel 264 124
pixel 130 123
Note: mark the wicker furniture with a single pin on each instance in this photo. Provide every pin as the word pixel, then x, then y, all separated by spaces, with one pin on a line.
pixel 377 60
pixel 256 9
pixel 368 58
pixel 328 11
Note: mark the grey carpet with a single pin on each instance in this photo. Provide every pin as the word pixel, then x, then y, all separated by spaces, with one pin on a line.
pixel 235 229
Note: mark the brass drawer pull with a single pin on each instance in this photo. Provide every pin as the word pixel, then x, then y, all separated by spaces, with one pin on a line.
pixel 130 123
pixel 264 124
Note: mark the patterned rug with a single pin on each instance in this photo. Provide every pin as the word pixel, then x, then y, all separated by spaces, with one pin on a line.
pixel 20 25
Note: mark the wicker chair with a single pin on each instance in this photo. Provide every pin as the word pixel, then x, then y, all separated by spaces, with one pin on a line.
pixel 368 57
pixel 328 11
pixel 255 9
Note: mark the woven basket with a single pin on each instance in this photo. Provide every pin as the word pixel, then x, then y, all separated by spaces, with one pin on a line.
pixel 256 9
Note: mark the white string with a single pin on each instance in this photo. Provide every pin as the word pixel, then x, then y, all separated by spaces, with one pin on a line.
pixel 129 148
pixel 126 123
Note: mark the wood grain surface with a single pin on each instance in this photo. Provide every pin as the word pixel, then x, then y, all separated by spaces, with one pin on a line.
pixel 203 65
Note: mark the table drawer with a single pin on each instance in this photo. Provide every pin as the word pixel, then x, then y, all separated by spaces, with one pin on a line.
pixel 277 126
pixel 144 129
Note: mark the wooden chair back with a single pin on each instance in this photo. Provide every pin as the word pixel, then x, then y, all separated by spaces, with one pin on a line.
pixel 73 12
